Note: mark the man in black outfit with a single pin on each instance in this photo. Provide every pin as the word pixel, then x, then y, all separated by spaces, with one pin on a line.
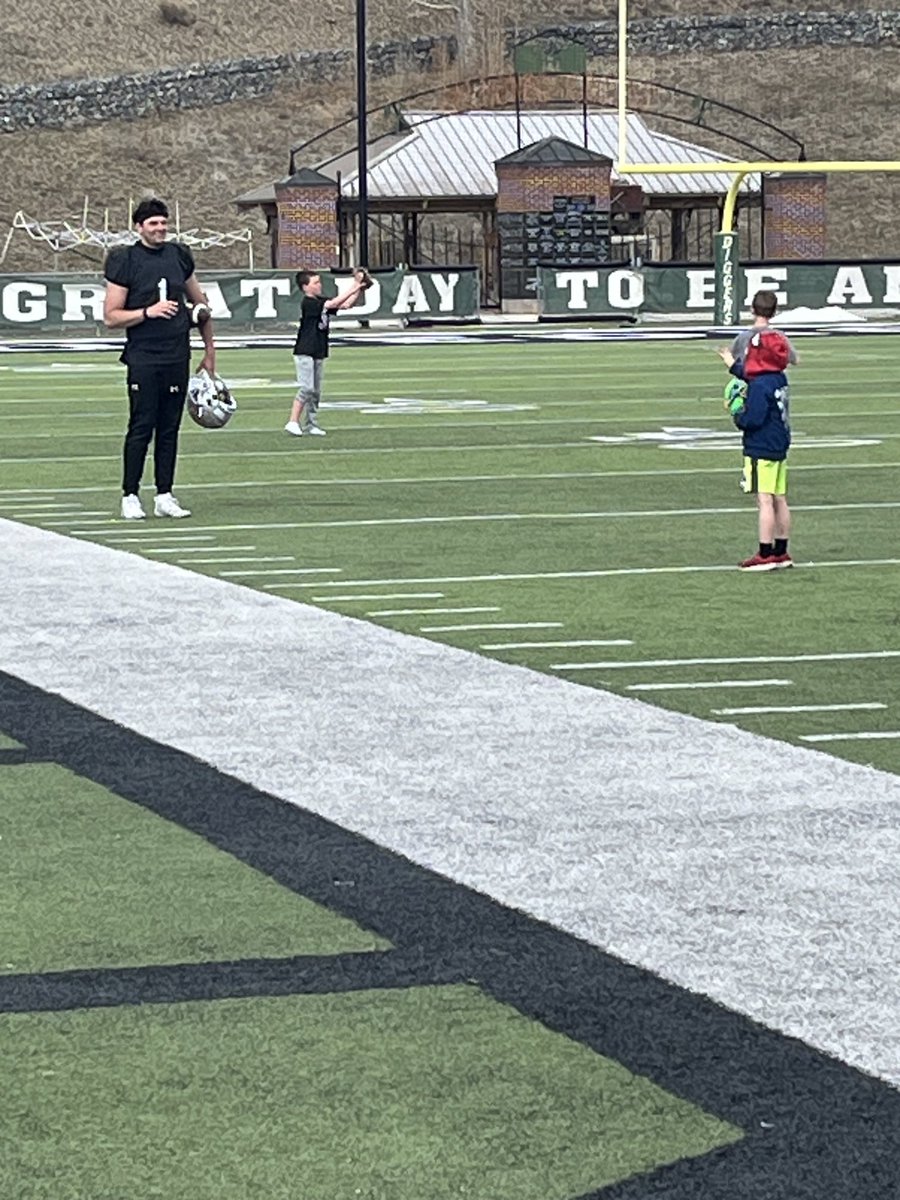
pixel 149 285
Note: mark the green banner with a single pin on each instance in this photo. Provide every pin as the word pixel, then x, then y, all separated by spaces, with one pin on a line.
pixel 691 289
pixel 254 300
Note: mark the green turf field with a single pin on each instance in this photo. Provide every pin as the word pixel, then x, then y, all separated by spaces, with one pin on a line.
pixel 93 881
pixel 570 507
pixel 390 1095
pixel 194 1001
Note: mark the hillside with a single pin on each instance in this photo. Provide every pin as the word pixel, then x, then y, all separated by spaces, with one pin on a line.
pixel 842 99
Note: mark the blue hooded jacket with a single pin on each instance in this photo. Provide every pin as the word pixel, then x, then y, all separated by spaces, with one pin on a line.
pixel 764 418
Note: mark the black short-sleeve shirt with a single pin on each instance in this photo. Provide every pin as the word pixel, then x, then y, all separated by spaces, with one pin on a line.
pixel 151 274
pixel 312 334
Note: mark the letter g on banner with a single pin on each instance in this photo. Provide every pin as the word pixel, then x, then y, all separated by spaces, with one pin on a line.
pixel 24 302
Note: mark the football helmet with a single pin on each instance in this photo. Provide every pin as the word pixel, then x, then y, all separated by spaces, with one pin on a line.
pixel 199 313
pixel 209 401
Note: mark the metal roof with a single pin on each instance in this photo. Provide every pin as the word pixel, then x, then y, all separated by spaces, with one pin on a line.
pixel 453 154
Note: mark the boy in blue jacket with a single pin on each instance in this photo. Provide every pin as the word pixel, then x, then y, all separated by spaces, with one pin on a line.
pixel 761 412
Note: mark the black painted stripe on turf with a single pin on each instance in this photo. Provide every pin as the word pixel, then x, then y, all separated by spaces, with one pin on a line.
pixel 816 1129
pixel 15 758
pixel 55 991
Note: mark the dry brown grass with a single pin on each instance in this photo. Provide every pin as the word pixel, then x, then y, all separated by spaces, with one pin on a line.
pixel 841 101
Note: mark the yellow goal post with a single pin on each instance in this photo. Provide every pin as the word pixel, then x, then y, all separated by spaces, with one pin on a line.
pixel 726 241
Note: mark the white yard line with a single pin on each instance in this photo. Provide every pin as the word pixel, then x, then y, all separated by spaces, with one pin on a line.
pixel 611 514
pixel 868 736
pixel 599 574
pixel 692 662
pixel 153 532
pixel 491 625
pixel 421 480
pixel 283 571
pixel 368 598
pixel 464 419
pixel 557 645
pixel 456 448
pixel 38 506
pixel 796 708
pixel 190 549
pixel 421 612
pixel 708 683
pixel 465 447
pixel 41 515
pixel 265 558
pixel 82 515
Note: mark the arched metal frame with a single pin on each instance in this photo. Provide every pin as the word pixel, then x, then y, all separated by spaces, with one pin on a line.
pixel 704 104
pixel 705 107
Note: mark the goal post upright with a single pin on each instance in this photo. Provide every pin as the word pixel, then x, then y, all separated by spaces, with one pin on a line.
pixel 622 83
pixel 727 302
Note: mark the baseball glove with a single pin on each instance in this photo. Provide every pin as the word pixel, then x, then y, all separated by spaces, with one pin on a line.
pixel 363 277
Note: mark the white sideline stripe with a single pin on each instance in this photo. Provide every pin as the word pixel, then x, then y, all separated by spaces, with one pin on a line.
pixel 283 571
pixel 419 612
pixel 190 549
pixel 868 736
pixel 547 645
pixel 404 480
pixel 795 708
pixel 476 518
pixel 675 792
pixel 600 574
pixel 368 598
pixel 711 683
pixel 492 625
pixel 689 662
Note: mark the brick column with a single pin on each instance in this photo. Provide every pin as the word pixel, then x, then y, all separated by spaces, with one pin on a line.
pixel 307 221
pixel 795 215
pixel 532 187
pixel 553 206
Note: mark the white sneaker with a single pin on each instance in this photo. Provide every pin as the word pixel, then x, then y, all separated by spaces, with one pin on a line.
pixel 294 428
pixel 131 508
pixel 315 430
pixel 165 505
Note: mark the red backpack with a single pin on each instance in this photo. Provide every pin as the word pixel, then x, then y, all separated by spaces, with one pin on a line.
pixel 768 350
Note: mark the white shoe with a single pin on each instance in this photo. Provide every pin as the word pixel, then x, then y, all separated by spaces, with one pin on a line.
pixel 131 508
pixel 165 505
pixel 315 430
pixel 294 428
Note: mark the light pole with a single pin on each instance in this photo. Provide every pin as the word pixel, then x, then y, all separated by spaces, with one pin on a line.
pixel 362 182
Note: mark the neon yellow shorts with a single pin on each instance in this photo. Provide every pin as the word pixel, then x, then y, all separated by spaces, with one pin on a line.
pixel 763 475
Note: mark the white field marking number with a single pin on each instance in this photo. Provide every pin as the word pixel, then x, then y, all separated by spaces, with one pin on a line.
pixel 676 437
pixel 416 406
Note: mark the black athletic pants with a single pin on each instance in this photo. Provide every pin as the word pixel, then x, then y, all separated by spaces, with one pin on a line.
pixel 156 395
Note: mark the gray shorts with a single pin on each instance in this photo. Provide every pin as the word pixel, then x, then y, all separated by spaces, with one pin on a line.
pixel 309 378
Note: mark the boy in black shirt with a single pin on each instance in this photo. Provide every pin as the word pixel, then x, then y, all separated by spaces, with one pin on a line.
pixel 311 347
pixel 149 285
